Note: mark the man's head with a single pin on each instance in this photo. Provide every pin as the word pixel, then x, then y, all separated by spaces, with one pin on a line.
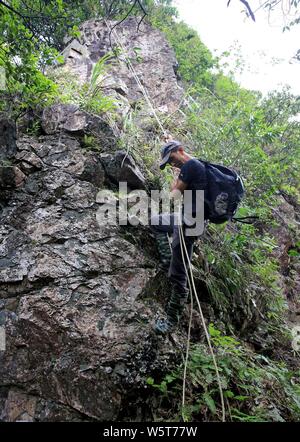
pixel 173 153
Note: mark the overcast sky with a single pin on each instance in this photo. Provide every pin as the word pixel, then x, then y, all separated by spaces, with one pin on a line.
pixel 266 50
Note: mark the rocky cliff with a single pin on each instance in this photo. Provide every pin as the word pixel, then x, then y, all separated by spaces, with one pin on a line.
pixel 75 300
pixel 78 300
pixel 156 67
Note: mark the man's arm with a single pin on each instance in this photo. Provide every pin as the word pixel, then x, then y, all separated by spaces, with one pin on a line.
pixel 178 185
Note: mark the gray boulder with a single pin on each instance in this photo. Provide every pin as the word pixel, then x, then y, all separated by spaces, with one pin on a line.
pixel 122 167
pixel 60 118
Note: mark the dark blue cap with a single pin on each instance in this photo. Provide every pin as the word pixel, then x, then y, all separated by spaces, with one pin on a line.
pixel 166 150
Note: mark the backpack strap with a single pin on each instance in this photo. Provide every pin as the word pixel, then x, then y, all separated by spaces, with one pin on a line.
pixel 240 220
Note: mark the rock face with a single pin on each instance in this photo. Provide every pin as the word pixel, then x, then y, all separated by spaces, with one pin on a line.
pixel 76 309
pixel 122 167
pixel 68 118
pixel 10 175
pixel 7 138
pixel 78 334
pixel 148 51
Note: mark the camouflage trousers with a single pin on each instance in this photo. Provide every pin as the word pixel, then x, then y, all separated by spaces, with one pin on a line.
pixel 171 257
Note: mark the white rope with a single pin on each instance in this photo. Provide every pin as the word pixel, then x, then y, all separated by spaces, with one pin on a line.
pixel 203 321
pixel 182 244
pixel 189 329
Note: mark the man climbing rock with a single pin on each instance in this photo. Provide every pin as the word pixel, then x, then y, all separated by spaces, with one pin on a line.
pixel 191 176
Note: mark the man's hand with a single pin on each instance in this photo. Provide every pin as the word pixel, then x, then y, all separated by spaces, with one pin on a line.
pixel 178 185
pixel 175 172
pixel 167 138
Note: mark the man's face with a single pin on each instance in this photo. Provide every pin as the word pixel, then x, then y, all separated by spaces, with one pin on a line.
pixel 176 158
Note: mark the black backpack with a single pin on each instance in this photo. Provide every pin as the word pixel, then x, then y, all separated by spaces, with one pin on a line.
pixel 224 191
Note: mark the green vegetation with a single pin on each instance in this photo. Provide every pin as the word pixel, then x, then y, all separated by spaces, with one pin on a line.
pixel 256 389
pixel 88 96
pixel 194 59
pixel 24 53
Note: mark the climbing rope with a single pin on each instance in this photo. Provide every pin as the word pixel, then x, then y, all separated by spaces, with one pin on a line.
pixel 190 277
pixel 190 325
pixel 182 241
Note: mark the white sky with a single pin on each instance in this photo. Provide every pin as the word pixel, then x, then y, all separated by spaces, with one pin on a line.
pixel 266 50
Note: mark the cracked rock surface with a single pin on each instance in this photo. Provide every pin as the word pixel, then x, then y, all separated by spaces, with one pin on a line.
pixel 155 65
pixel 78 299
pixel 71 292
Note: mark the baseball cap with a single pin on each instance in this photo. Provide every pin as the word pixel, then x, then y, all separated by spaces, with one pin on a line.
pixel 166 150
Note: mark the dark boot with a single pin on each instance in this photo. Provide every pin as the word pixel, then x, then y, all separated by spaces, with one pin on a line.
pixel 164 250
pixel 174 311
